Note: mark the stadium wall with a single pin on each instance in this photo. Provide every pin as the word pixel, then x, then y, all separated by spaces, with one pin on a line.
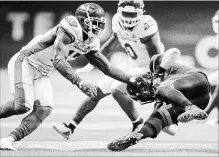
pixel 185 25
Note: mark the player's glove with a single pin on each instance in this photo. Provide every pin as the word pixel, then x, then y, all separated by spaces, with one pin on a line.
pixel 87 88
pixel 158 78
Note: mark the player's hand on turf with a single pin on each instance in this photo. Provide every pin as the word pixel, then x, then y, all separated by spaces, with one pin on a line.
pixel 87 88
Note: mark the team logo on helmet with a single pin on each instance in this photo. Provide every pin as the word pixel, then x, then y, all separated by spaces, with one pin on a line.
pixel 91 16
pixel 90 9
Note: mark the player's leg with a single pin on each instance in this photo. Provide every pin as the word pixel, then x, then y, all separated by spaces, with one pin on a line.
pixel 213 79
pixel 119 93
pixel 42 108
pixel 173 128
pixel 127 104
pixel 22 88
pixel 16 75
pixel 158 120
pixel 180 88
pixel 87 105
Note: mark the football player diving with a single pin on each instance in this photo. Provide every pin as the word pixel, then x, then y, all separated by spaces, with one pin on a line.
pixel 29 68
pixel 183 92
pixel 138 34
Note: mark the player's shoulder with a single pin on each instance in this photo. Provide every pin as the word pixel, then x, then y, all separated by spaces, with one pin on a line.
pixel 147 26
pixel 71 25
pixel 115 23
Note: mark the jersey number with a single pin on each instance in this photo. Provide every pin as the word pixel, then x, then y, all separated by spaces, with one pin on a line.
pixel 130 51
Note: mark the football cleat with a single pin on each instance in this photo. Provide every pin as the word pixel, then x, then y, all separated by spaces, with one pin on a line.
pixel 138 125
pixel 123 143
pixel 63 130
pixel 192 112
pixel 6 144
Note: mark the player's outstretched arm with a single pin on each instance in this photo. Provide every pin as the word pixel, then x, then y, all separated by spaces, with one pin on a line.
pixel 100 61
pixel 107 49
pixel 64 68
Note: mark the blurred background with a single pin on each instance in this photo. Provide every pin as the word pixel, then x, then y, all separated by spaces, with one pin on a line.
pixel 185 25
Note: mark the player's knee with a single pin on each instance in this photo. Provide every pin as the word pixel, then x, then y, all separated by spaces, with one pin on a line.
pixel 167 119
pixel 42 111
pixel 100 95
pixel 117 93
pixel 20 107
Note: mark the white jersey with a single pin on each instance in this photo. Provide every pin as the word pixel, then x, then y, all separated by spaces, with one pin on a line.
pixel 131 40
pixel 42 60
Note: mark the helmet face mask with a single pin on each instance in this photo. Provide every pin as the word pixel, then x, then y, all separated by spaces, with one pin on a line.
pixel 95 26
pixel 92 19
pixel 130 12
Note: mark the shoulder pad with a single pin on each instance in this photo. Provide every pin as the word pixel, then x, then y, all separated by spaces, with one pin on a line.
pixel 115 23
pixel 148 26
pixel 95 44
pixel 70 25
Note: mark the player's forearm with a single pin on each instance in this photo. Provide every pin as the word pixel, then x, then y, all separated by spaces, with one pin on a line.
pixel 65 69
pixel 86 69
pixel 117 74
pixel 99 61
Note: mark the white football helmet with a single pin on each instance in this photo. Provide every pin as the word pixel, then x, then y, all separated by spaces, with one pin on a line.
pixel 215 22
pixel 130 12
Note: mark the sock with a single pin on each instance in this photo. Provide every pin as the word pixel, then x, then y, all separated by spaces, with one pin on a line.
pixel 126 103
pixel 138 119
pixel 11 139
pixel 31 121
pixel 153 125
pixel 147 130
pixel 28 125
pixel 72 125
pixel 87 106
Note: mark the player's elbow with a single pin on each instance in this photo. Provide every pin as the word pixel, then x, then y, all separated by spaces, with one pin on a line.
pixel 174 53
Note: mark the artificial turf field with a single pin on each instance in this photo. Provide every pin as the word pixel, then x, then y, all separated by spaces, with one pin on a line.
pixel 101 126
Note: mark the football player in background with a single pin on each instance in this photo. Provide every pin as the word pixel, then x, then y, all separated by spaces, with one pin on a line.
pixel 28 69
pixel 213 78
pixel 183 93
pixel 138 34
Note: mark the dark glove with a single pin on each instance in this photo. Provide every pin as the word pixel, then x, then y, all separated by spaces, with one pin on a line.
pixel 87 88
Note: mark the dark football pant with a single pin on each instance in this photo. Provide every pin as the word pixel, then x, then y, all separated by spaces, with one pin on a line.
pixel 193 86
pixel 189 88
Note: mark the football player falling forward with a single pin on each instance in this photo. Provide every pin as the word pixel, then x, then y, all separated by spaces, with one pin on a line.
pixel 182 92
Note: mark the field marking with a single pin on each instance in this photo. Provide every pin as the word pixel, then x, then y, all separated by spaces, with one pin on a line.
pixel 103 144
pixel 87 126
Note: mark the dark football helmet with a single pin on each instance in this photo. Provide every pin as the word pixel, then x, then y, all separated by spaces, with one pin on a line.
pixel 145 92
pixel 130 12
pixel 92 19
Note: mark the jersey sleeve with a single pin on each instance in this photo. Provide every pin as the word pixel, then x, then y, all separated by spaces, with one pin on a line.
pixel 70 25
pixel 149 26
pixel 155 62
